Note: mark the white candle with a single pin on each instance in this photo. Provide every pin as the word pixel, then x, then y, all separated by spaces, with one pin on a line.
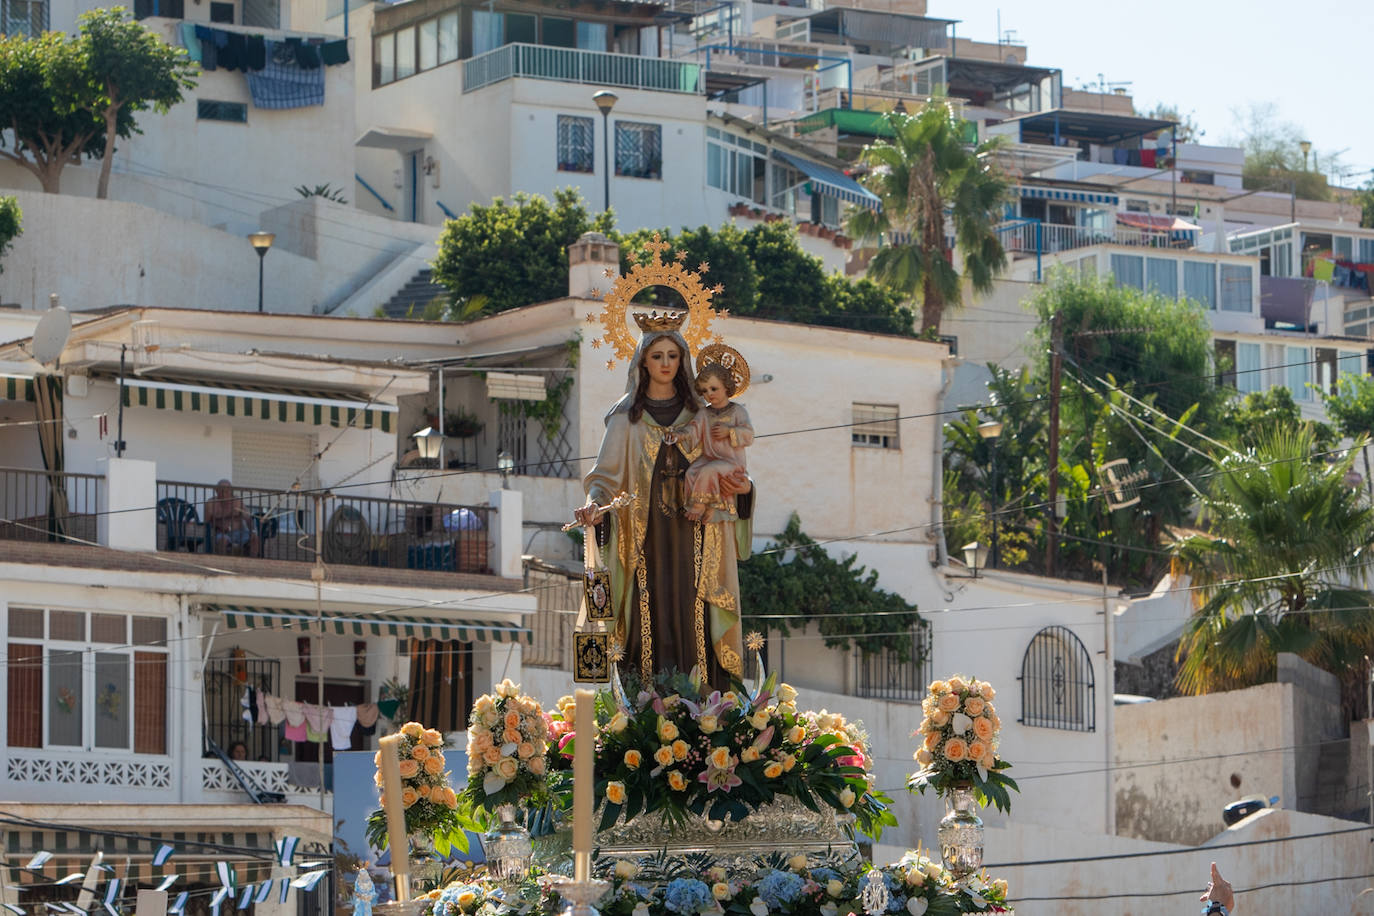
pixel 584 783
pixel 395 814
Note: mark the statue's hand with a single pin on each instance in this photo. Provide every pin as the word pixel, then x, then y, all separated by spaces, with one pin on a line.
pixel 589 514
pixel 735 483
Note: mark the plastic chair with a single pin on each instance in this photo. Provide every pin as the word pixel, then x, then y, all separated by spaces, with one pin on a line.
pixel 177 514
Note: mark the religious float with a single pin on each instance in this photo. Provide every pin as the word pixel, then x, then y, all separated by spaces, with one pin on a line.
pixel 690 794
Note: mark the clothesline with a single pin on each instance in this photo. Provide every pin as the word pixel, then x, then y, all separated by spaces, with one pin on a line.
pixel 281 74
pixel 313 722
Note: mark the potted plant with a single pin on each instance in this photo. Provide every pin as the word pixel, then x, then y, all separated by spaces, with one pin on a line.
pixel 461 424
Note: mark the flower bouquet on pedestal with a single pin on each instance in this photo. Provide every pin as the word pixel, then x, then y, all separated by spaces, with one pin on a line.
pixel 430 803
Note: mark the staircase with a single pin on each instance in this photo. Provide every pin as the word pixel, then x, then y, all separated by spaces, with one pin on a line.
pixel 412 299
pixel 1334 797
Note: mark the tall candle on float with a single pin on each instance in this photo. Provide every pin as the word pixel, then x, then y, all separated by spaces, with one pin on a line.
pixel 395 813
pixel 584 783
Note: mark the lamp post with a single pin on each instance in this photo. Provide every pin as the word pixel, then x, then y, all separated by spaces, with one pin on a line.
pixel 505 463
pixel 261 241
pixel 991 430
pixel 605 100
pixel 1306 147
pixel 975 557
pixel 430 443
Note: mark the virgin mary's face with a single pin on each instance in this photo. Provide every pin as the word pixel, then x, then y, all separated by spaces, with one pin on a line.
pixel 662 360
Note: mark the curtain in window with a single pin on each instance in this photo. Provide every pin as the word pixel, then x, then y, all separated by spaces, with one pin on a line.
pixel 1129 270
pixel 24 696
pixel 1236 290
pixel 47 396
pixel 488 31
pixel 1248 375
pixel 1161 275
pixel 1200 283
pixel 150 703
pixel 1298 372
pixel 440 683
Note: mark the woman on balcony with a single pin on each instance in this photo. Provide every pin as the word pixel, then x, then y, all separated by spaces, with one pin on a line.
pixel 230 525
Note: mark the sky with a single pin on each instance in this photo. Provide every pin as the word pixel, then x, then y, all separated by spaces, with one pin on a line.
pixel 1208 57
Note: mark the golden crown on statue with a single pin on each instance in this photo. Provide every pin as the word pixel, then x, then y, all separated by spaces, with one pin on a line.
pixel 653 321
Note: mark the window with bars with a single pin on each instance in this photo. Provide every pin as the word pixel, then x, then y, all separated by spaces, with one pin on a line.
pixel 86 681
pixel 891 674
pixel 1058 689
pixel 638 150
pixel 875 426
pixel 24 17
pixel 576 144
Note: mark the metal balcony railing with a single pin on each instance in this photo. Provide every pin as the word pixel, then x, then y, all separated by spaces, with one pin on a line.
pixel 38 506
pixel 570 65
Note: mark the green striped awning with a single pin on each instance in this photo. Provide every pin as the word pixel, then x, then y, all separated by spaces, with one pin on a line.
pixel 250 618
pixel 15 388
pixel 282 406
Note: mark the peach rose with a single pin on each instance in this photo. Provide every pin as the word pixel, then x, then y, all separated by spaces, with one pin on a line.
pixel 977 749
pixel 491 755
pixel 511 735
pixel 409 768
pixel 940 718
pixel 719 758
pixel 676 781
pixel 525 750
pixel 432 737
pixel 425 789
pixel 956 749
pixel 749 754
pixel 419 752
pixel 931 741
pixel 773 770
pixel 413 730
pixel 985 689
pixel 615 792
pixel 434 765
pixel 788 762
pixel 512 719
pixel 536 766
pixel 974 706
pixel 923 757
pixel 720 890
pixel 409 796
pixel 482 741
pixel 949 703
pixel 957 685
pixel 633 758
pixel 796 734
pixel 982 727
pixel 663 756
pixel 938 687
pixel 667 731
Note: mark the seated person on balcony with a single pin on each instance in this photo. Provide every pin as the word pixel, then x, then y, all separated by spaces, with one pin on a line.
pixel 238 751
pixel 229 523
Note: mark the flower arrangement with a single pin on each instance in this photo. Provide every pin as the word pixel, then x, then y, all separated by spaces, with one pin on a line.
pixel 915 885
pixel 959 737
pixel 430 803
pixel 679 751
pixel 508 737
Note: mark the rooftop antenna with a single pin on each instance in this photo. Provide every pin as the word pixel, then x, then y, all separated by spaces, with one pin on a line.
pixel 1119 483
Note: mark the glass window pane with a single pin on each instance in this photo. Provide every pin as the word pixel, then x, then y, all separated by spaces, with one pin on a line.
pixel 24 696
pixel 65 698
pixel 559 32
pixel 405 52
pixel 1199 283
pixel 714 157
pixel 150 703
pixel 638 150
pixel 1129 270
pixel 576 149
pixel 1351 364
pixel 1299 372
pixel 429 44
pixel 592 36
pixel 523 28
pixel 26 622
pixel 150 631
pixel 1248 375
pixel 1161 275
pixel 448 38
pixel 67 625
pixel 111 700
pixel 1366 251
pixel 1236 288
pixel 1342 246
pixel 111 628
pixel 384 53
pixel 488 31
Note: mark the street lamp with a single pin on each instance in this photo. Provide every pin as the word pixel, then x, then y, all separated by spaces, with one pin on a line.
pixel 605 100
pixel 992 431
pixel 505 463
pixel 430 443
pixel 975 557
pixel 261 242
pixel 1306 147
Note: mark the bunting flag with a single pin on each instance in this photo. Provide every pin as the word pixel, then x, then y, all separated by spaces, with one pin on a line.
pixel 246 898
pixel 73 908
pixel 110 908
pixel 164 852
pixel 14 908
pixel 216 900
pixel 168 882
pixel 308 881
pixel 73 877
pixel 285 889
pixel 38 859
pixel 112 891
pixel 264 891
pixel 286 849
pixel 179 904
pixel 53 906
pixel 227 876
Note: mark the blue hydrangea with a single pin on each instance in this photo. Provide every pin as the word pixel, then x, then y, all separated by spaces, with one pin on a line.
pixel 822 875
pixel 447 904
pixel 687 896
pixel 896 900
pixel 780 888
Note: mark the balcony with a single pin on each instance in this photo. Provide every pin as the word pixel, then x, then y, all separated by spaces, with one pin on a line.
pixel 569 65
pixel 39 506
pixel 1032 237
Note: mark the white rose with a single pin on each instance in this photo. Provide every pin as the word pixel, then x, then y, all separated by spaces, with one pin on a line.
pixel 758 908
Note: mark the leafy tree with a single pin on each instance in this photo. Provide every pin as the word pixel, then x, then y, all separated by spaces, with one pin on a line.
pixel 722 249
pixel 1351 408
pixel 924 170
pixel 1250 418
pixel 1186 128
pixel 129 70
pixel 790 279
pixel 1281 569
pixel 1273 156
pixel 793 581
pixel 863 305
pixel 41 106
pixel 514 253
pixel 10 225
pixel 1364 199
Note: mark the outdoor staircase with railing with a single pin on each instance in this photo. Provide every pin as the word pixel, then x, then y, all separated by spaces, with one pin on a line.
pixel 412 299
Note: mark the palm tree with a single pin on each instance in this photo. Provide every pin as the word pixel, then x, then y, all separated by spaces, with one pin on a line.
pixel 927 176
pixel 1282 570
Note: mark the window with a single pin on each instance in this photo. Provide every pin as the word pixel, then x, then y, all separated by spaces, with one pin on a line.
pixel 1226 363
pixel 576 144
pixel 736 165
pixel 638 150
pixel 875 426
pixel 1236 288
pixel 429 44
pixel 1325 364
pixel 488 31
pixel 1200 283
pixel 405 52
pixel 559 32
pixel 1248 375
pixel 1058 689
pixel 1193 177
pixel 1343 247
pixel 1129 270
pixel 222 12
pixel 521 27
pixel 86 680
pixel 895 672
pixel 24 17
pixel 1298 372
pixel 212 110
pixel 1366 251
pixel 384 59
pixel 1161 276
pixel 593 36
pixel 173 9
pixel 448 37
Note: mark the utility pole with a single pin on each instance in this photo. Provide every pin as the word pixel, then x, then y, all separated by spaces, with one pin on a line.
pixel 1056 365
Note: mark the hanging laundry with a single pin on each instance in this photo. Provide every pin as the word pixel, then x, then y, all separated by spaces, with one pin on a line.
pixel 297 732
pixel 209 46
pixel 262 707
pixel 341 728
pixel 1323 269
pixel 256 51
pixel 190 41
pixel 315 737
pixel 275 711
pixel 367 717
pixel 1119 156
pixel 333 53
pixel 317 718
pixel 234 51
pixel 1147 158
pixel 281 86
pixel 388 708
pixel 249 702
pixel 306 56
pixel 294 710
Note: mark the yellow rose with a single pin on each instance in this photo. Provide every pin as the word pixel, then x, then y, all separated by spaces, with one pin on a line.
pixel 956 749
pixel 419 752
pixel 507 768
pixel 773 770
pixel 615 792
pixel 982 728
pixel 787 709
pixel 409 768
pixel 796 734
pixel 536 766
pixel 708 724
pixel 434 765
pixel 676 781
pixel 617 724
pixel 466 899
pixel 1000 886
pixel 719 758
pixel 432 737
pixel 625 869
pixel 507 688
pixel 786 694
pixel 409 796
pixel 413 730
pixel 749 755
pixel 797 862
pixel 663 756
pixel 938 687
pixel 974 706
pixel 915 877
pixel 847 797
pixel 949 703
pixel 759 720
pixel 834 887
pixel 633 759
pixel 788 762
pixel 680 749
pixel 923 757
pixel 667 731
pixel 720 890
pixel 484 702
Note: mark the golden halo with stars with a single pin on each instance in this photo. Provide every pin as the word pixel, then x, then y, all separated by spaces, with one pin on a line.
pixel 655 272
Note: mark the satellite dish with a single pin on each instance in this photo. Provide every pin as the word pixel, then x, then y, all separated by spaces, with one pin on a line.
pixel 50 336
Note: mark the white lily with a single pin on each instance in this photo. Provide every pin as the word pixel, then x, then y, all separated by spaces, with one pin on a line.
pixel 962 723
pixel 493 783
pixel 917 906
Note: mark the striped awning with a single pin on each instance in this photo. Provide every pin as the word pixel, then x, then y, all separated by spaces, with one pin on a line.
pixel 1073 197
pixel 262 404
pixel 16 388
pixel 249 618
pixel 832 182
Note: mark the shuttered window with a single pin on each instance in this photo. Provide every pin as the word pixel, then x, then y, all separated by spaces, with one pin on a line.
pixel 272 460
pixel 875 426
